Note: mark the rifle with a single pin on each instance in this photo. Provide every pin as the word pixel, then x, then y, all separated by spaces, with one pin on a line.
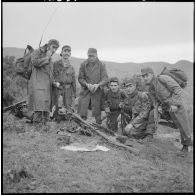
pixel 15 106
pixel 111 140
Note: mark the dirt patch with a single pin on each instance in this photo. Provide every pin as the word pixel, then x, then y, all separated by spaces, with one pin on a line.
pixel 159 166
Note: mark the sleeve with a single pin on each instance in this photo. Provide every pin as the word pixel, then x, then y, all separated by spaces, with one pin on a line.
pixel 105 99
pixel 123 95
pixel 81 76
pixel 104 76
pixel 38 62
pixel 174 88
pixel 146 107
pixel 74 83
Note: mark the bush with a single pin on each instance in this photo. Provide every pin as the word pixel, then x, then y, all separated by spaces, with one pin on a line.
pixel 14 86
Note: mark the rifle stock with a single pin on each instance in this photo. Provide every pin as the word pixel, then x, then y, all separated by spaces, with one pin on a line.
pixel 14 106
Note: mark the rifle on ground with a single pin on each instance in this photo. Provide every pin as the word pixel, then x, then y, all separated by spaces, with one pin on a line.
pixel 95 129
pixel 16 106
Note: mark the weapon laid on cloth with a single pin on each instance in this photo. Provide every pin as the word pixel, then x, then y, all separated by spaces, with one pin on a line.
pixel 110 139
pixel 15 106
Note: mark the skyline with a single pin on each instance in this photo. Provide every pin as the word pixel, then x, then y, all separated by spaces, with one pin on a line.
pixel 121 32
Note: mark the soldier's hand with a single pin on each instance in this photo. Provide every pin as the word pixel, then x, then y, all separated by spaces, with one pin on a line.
pixel 49 54
pixel 57 84
pixel 95 87
pixel 107 110
pixel 121 105
pixel 173 108
pixel 128 128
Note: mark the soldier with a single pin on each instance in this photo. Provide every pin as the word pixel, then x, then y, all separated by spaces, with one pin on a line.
pixel 92 77
pixel 166 90
pixel 41 81
pixel 139 103
pixel 113 99
pixel 64 76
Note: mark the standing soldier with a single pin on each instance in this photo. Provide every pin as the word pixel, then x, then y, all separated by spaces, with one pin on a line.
pixel 139 105
pixel 92 77
pixel 166 90
pixel 64 76
pixel 113 99
pixel 41 80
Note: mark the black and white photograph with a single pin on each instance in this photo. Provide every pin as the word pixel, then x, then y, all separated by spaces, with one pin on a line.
pixel 97 97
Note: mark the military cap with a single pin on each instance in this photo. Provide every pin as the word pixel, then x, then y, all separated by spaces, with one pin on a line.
pixel 113 79
pixel 130 81
pixel 66 47
pixel 92 51
pixel 53 42
pixel 146 71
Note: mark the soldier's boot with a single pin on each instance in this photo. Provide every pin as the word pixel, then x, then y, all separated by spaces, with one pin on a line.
pixel 184 148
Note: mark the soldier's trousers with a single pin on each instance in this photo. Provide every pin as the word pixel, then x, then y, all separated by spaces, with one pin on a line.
pixel 182 121
pixel 143 129
pixel 112 120
pixel 40 116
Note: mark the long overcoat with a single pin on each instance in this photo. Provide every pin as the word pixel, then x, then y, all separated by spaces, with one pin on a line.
pixel 40 83
pixel 93 74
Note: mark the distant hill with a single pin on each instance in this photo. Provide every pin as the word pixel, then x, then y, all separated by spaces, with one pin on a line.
pixel 120 70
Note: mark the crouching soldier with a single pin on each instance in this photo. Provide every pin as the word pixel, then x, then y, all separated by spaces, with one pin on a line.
pixel 64 76
pixel 139 103
pixel 167 91
pixel 113 99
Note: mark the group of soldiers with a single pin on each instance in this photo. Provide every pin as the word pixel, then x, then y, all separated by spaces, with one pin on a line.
pixel 53 84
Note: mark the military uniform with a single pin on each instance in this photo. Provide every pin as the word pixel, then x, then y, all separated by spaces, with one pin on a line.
pixel 166 90
pixel 112 101
pixel 142 117
pixel 94 74
pixel 65 75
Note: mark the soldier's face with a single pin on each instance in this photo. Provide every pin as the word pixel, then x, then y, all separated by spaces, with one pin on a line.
pixel 130 88
pixel 147 78
pixel 92 57
pixel 53 48
pixel 66 53
pixel 114 86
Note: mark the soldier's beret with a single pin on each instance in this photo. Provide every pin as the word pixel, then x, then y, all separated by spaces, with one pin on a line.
pixel 92 51
pixel 113 79
pixel 146 71
pixel 53 42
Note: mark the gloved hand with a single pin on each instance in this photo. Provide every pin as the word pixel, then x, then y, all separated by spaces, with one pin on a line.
pixel 128 128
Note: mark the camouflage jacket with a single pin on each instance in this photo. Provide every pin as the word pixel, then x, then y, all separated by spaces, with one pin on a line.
pixel 140 105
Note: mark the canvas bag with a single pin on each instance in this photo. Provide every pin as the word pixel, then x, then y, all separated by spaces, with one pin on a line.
pixel 22 65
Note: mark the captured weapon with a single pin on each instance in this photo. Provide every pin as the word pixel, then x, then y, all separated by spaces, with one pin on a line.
pixel 17 107
pixel 94 128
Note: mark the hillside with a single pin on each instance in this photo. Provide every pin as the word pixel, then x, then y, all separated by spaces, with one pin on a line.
pixel 120 70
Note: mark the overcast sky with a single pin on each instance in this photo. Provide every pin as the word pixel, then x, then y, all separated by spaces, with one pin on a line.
pixel 121 32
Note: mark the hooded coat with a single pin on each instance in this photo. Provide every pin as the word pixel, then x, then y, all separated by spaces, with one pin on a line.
pixel 40 83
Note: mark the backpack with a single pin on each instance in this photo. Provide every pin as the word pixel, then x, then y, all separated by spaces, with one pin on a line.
pixel 22 65
pixel 177 74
